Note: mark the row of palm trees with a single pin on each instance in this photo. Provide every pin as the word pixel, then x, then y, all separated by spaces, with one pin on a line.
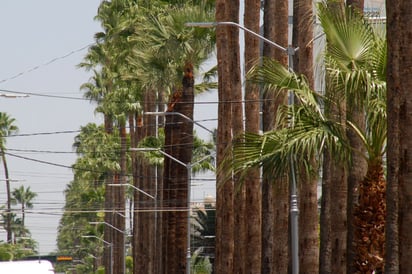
pixel 15 227
pixel 342 132
pixel 139 60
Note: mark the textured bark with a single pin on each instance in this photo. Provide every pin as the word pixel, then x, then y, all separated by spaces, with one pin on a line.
pixel 224 188
pixel 370 221
pixel 108 205
pixel 356 173
pixel 185 151
pixel 145 233
pixel 275 195
pixel 170 190
pixel 236 105
pixel 399 83
pixel 252 108
pixel 325 248
pixel 308 209
pixel 394 99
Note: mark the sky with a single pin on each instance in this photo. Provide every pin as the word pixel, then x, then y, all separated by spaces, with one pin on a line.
pixel 41 44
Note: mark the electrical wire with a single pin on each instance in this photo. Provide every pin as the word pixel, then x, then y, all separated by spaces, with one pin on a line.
pixel 46 64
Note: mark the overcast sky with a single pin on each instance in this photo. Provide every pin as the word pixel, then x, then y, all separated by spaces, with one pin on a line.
pixel 33 34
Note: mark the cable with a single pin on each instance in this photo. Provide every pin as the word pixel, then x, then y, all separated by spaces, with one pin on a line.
pixel 44 64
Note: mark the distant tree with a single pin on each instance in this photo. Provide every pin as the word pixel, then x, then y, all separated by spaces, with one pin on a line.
pixel 7 127
pixel 24 197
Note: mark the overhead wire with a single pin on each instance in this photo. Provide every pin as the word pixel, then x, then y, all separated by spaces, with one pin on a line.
pixel 53 60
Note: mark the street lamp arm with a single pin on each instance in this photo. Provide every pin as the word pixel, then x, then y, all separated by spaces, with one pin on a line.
pixel 214 24
pixel 109 225
pixel 181 115
pixel 136 188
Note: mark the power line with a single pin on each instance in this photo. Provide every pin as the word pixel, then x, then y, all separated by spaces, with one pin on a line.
pixel 43 65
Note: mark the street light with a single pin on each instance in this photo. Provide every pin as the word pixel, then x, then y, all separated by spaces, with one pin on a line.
pixel 294 209
pixel 136 188
pixel 124 239
pixel 178 114
pixel 13 95
pixel 108 244
pixel 189 167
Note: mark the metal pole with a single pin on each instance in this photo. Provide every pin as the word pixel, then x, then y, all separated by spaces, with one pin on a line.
pixel 189 179
pixel 294 209
pixel 124 240
pixel 111 258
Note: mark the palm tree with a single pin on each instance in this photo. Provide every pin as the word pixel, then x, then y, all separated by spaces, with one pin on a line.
pixel 168 48
pixel 253 195
pixel 275 195
pixel 273 148
pixel 23 196
pixel 7 127
pixel 230 123
pixel 351 63
pixel 398 221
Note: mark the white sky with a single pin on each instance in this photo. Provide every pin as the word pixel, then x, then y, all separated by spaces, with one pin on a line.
pixel 32 34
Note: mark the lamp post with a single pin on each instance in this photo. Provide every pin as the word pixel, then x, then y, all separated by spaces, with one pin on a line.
pixel 124 239
pixel 110 245
pixel 188 167
pixel 294 209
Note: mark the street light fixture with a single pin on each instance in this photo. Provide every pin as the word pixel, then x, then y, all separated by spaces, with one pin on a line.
pixel 110 245
pixel 13 95
pixel 189 167
pixel 181 115
pixel 294 209
pixel 136 188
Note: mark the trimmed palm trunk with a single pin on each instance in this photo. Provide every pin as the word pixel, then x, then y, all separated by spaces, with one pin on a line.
pixel 275 195
pixel 399 194
pixel 307 185
pixel 108 205
pixel 8 209
pixel 252 124
pixel 224 187
pixel 145 233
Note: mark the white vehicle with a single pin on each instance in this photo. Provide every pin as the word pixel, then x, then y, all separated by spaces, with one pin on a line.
pixel 27 267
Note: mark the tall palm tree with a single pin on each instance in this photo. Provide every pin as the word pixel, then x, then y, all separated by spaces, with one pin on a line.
pixel 227 42
pixel 23 196
pixel 399 193
pixel 253 195
pixel 275 195
pixel 178 51
pixel 274 147
pixel 7 127
pixel 349 61
pixel 302 38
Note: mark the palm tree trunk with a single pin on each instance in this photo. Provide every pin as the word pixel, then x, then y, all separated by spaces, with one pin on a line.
pixel 8 209
pixel 399 140
pixel 395 97
pixel 356 174
pixel 108 204
pixel 235 82
pixel 185 152
pixel 303 63
pixel 252 124
pixel 370 221
pixel 275 195
pixel 224 262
